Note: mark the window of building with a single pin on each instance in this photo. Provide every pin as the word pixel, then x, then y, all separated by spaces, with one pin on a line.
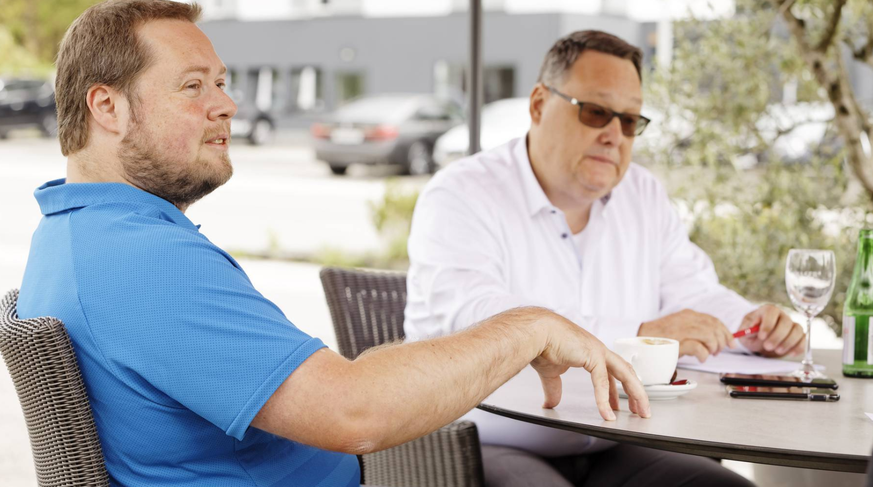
pixel 306 89
pixel 349 85
pixel 450 81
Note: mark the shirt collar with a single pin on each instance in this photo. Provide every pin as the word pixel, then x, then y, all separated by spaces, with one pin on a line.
pixel 534 195
pixel 533 192
pixel 57 196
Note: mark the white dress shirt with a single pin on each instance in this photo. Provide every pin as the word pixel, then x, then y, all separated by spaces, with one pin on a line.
pixel 485 238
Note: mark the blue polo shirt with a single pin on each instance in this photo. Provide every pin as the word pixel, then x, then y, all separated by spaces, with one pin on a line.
pixel 178 350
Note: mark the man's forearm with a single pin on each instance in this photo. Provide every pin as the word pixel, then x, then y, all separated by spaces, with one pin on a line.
pixel 409 390
pixel 399 393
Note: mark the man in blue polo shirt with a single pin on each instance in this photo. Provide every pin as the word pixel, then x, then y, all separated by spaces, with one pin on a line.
pixel 194 378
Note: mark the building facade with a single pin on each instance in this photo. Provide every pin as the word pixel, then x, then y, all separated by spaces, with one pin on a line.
pixel 294 67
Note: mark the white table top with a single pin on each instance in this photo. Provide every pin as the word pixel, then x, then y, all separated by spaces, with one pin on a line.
pixel 706 421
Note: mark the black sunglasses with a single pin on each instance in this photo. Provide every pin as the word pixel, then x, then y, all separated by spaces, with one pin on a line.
pixel 596 116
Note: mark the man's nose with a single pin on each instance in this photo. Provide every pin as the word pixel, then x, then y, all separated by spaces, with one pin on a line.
pixel 224 108
pixel 611 134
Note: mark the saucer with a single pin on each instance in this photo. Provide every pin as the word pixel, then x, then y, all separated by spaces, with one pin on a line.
pixel 662 392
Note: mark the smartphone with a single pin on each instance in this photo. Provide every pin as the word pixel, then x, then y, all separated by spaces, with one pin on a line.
pixel 796 393
pixel 775 380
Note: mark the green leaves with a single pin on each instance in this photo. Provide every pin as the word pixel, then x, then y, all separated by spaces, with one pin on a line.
pixel 750 203
pixel 34 30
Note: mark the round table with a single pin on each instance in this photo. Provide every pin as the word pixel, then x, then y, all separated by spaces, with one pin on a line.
pixel 706 421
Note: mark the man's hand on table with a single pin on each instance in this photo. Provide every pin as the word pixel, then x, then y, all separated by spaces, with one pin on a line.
pixel 699 334
pixel 568 345
pixel 779 335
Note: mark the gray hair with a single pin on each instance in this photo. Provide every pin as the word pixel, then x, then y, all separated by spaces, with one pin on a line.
pixel 567 49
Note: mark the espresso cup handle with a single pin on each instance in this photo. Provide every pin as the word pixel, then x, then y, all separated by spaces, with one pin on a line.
pixel 629 357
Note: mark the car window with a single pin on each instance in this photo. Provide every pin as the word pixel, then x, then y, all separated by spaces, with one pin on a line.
pixel 432 110
pixel 455 111
pixel 15 85
pixel 377 108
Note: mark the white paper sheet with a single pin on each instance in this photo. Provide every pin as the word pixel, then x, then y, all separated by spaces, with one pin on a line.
pixel 737 363
pixel 869 416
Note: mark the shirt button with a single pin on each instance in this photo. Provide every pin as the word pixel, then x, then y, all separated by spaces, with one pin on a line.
pixel 553 212
pixel 563 235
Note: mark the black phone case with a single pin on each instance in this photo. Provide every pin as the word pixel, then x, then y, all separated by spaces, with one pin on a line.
pixel 734 381
pixel 784 395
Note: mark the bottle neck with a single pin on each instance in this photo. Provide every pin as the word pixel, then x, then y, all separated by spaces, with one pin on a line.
pixel 865 251
pixel 862 276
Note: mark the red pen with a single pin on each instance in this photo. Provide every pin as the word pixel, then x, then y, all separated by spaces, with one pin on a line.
pixel 748 331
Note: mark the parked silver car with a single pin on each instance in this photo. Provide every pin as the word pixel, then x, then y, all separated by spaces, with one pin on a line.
pixel 385 129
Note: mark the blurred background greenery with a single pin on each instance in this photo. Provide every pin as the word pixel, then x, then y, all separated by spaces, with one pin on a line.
pixel 30 32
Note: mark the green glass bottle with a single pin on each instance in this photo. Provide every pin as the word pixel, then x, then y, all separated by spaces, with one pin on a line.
pixel 857 352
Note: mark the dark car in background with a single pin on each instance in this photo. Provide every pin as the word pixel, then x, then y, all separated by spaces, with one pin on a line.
pixel 392 129
pixel 26 103
pixel 250 122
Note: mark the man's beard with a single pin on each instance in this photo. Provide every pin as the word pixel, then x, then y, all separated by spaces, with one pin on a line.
pixel 166 175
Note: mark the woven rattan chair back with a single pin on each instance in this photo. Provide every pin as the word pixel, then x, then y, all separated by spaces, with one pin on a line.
pixel 367 310
pixel 366 307
pixel 44 370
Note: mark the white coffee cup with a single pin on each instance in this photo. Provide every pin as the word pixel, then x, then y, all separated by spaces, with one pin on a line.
pixel 653 358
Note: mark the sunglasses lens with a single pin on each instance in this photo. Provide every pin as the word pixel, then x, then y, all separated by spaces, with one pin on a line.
pixel 598 117
pixel 642 123
pixel 594 116
pixel 629 125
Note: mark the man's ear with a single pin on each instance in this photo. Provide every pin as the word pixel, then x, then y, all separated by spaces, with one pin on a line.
pixel 537 99
pixel 108 107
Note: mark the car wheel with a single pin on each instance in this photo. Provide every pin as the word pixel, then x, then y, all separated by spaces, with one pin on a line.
pixel 49 125
pixel 419 160
pixel 262 132
pixel 338 170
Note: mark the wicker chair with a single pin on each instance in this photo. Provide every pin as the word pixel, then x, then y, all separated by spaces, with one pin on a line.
pixel 367 310
pixel 44 370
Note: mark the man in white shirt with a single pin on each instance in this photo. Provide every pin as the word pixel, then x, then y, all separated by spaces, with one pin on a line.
pixel 562 219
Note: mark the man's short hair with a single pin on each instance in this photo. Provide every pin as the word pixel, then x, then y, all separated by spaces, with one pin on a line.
pixel 567 50
pixel 102 47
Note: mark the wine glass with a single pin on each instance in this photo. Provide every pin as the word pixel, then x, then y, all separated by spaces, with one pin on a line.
pixel 809 278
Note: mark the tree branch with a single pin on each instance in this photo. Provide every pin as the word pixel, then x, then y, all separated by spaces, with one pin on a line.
pixel 865 54
pixel 795 25
pixel 833 26
pixel 854 107
pixel 849 117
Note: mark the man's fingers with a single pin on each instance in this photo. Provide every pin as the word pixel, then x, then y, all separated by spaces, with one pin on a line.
pixel 722 333
pixel 600 379
pixel 780 332
pixel 721 337
pixel 613 394
pixel 750 320
pixel 725 337
pixel 729 337
pixel 794 339
pixel 705 329
pixel 637 399
pixel 708 340
pixel 769 316
pixel 695 348
pixel 551 390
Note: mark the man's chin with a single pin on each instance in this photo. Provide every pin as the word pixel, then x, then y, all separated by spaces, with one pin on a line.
pixel 597 187
pixel 220 169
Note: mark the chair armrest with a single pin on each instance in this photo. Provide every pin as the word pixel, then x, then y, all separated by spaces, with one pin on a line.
pixel 448 457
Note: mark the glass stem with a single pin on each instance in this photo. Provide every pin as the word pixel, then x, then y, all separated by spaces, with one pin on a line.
pixel 807 359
